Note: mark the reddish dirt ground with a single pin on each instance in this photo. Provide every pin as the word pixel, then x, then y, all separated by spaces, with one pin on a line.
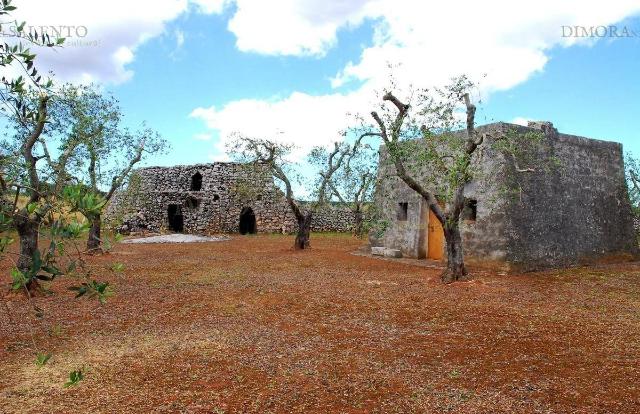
pixel 249 325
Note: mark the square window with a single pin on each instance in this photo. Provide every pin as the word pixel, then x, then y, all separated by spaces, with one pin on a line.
pixel 403 211
pixel 470 210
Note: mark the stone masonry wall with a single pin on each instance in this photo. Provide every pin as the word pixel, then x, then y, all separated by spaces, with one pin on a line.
pixel 576 213
pixel 227 189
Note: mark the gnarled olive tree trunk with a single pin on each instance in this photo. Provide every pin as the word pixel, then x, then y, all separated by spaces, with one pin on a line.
pixel 27 228
pixel 27 225
pixel 304 231
pixel 357 223
pixel 94 241
pixel 455 259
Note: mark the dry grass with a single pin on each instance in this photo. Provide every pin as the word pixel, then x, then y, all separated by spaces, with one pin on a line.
pixel 23 200
pixel 251 326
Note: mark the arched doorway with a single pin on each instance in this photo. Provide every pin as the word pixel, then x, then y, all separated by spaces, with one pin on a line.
pixel 247 221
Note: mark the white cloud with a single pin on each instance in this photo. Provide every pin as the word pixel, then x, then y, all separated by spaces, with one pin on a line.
pixel 293 27
pixel 520 121
pixel 500 44
pixel 430 41
pixel 205 136
pixel 179 38
pixel 211 6
pixel 302 119
pixel 104 35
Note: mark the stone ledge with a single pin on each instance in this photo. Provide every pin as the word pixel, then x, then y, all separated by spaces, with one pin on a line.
pixel 394 253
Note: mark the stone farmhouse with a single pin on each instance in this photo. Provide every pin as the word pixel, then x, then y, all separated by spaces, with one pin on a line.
pixel 221 197
pixel 576 213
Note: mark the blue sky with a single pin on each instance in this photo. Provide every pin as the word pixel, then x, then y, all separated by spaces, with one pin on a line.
pixel 199 70
pixel 209 70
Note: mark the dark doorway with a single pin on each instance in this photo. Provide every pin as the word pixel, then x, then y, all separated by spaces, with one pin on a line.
pixel 196 182
pixel 176 222
pixel 247 221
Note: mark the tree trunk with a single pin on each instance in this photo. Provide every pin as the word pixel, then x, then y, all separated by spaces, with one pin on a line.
pixel 455 260
pixel 28 232
pixel 357 223
pixel 94 241
pixel 304 230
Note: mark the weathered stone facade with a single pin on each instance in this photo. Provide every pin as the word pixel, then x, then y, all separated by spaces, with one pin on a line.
pixel 575 213
pixel 213 198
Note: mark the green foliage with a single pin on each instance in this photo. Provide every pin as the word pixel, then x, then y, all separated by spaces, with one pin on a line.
pixel 15 53
pixel 93 289
pixel 74 378
pixel 42 359
pixel 72 229
pixel 632 176
pixel 6 224
pixel 19 280
pixel 84 200
pixel 117 267
pixel 33 200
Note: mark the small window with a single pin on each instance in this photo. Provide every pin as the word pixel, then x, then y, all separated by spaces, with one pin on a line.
pixel 196 182
pixel 403 211
pixel 470 210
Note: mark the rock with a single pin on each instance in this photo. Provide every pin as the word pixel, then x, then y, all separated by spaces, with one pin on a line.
pixel 377 251
pixel 395 253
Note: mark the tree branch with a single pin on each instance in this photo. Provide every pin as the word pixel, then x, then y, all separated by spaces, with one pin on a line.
pixel 397 161
pixel 117 181
pixel 27 148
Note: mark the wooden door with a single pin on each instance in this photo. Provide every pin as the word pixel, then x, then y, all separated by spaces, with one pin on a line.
pixel 435 238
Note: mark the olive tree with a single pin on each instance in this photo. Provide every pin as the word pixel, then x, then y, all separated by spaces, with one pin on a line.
pixel 25 100
pixel 354 184
pixel 19 77
pixel 274 156
pixel 107 153
pixel 437 129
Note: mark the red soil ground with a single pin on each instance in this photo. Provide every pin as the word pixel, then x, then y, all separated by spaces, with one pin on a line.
pixel 249 325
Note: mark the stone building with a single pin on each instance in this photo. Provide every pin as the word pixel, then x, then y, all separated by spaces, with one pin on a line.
pixel 221 197
pixel 576 212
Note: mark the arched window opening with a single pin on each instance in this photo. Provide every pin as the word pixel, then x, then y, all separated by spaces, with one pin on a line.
pixel 196 182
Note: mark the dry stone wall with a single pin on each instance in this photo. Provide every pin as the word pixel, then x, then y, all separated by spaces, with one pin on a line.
pixel 212 198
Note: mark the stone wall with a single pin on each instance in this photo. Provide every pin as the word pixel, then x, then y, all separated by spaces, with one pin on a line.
pixel 574 211
pixel 227 190
pixel 332 218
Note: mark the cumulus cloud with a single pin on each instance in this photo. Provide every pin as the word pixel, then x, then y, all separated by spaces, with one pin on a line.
pixel 293 27
pixel 302 119
pixel 430 42
pixel 499 44
pixel 102 37
pixel 520 121
pixel 211 6
pixel 204 136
